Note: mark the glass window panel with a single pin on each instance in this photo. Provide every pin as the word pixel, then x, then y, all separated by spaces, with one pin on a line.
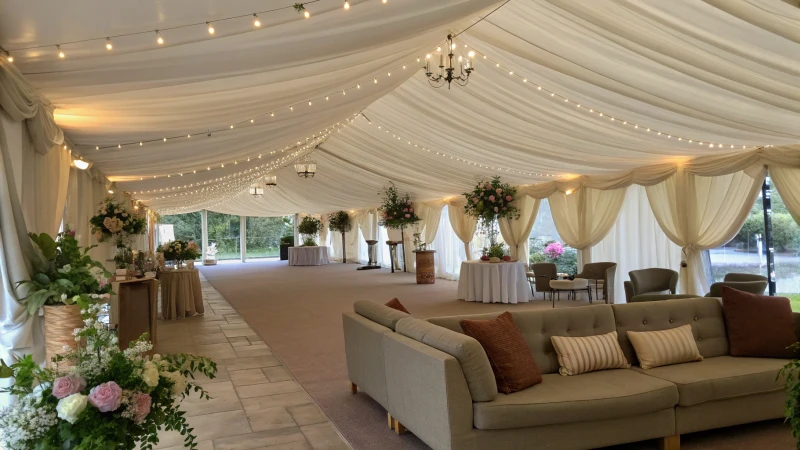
pixel 545 245
pixel 264 234
pixel 223 230
pixel 185 227
pixel 786 242
pixel 746 252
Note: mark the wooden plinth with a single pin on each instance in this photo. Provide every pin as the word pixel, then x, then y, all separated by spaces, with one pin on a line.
pixel 426 270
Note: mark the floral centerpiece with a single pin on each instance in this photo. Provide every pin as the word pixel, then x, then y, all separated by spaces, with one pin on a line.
pixel 396 210
pixel 180 251
pixel 106 399
pixel 488 201
pixel 114 223
pixel 340 223
pixel 309 227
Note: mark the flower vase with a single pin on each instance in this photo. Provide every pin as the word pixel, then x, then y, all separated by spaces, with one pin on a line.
pixel 179 264
pixel 394 234
pixel 190 264
pixel 59 323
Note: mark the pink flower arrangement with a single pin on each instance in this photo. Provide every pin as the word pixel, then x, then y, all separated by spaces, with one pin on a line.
pixel 491 198
pixel 499 191
pixel 142 403
pixel 408 215
pixel 68 385
pixel 509 198
pixel 106 397
pixel 554 250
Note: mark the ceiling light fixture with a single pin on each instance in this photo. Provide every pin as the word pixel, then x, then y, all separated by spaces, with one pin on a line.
pixel 306 167
pixel 271 181
pixel 81 164
pixel 446 68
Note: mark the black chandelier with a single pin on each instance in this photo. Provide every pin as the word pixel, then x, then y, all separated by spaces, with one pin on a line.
pixel 447 67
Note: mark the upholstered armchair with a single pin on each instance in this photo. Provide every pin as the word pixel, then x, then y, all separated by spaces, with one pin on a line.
pixel 651 281
pixel 602 273
pixel 541 274
pixel 754 284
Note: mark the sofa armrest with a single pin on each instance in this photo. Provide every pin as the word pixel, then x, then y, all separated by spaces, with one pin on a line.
pixel 428 393
pixel 796 317
pixel 363 347
pixel 628 291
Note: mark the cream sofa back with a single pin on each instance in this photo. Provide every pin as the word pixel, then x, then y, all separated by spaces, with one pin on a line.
pixel 539 326
pixel 378 313
pixel 704 314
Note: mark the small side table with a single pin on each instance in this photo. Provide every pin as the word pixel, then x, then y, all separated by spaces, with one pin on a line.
pixel 426 268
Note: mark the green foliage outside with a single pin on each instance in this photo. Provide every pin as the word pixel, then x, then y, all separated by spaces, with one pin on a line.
pixel 567 262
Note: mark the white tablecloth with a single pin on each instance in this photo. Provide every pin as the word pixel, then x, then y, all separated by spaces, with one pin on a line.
pixel 308 256
pixel 493 282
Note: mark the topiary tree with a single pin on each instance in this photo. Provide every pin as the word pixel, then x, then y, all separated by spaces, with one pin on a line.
pixel 309 227
pixel 340 222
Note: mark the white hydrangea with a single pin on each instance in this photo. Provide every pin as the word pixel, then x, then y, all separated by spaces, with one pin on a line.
pixel 150 374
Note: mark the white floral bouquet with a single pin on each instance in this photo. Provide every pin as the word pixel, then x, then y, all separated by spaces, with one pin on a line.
pixel 114 222
pixel 97 396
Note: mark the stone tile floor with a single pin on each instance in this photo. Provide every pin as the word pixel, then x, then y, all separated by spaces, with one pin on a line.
pixel 256 403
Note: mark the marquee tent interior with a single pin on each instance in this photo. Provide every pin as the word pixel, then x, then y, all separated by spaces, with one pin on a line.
pixel 638 120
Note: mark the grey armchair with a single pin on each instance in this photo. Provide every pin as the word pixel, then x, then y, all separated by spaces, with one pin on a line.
pixel 602 273
pixel 542 274
pixel 754 284
pixel 651 281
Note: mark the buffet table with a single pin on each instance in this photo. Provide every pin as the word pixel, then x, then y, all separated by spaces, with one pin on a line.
pixel 308 256
pixel 485 282
pixel 181 293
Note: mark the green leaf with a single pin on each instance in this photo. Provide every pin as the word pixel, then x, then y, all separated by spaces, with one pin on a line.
pixel 5 371
pixel 41 278
pixel 46 244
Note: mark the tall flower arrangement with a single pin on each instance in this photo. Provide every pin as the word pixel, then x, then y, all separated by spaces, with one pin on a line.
pixel 113 222
pixel 490 200
pixel 396 210
pixel 108 398
pixel 309 227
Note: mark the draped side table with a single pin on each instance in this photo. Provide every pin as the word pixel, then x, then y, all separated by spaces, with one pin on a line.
pixel 426 269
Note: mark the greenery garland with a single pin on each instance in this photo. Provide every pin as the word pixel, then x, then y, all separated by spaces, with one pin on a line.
pixel 396 210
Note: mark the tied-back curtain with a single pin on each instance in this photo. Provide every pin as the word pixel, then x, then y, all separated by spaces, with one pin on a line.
pixel 787 181
pixel 517 231
pixel 463 225
pixel 430 214
pixel 583 217
pixel 700 213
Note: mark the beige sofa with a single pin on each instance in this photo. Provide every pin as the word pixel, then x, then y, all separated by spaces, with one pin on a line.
pixel 438 383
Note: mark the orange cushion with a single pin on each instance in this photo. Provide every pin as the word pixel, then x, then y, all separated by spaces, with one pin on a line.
pixel 511 359
pixel 758 325
pixel 395 304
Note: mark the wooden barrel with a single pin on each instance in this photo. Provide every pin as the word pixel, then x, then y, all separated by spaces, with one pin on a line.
pixel 426 270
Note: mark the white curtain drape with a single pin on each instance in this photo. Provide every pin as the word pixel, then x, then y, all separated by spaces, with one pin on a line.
pixel 51 182
pixel 430 214
pixel 463 225
pixel 517 231
pixel 787 181
pixel 584 216
pixel 636 241
pixel 85 193
pixel 450 249
pixel 700 213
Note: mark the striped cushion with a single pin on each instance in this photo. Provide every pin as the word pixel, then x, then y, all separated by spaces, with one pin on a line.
pixel 665 347
pixel 578 355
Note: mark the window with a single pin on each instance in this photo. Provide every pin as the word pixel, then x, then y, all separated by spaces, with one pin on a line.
pixel 545 245
pixel 264 234
pixel 746 252
pixel 185 227
pixel 786 242
pixel 223 230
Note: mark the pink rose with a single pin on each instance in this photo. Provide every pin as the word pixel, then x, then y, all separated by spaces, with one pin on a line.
pixel 405 209
pixel 509 198
pixel 106 397
pixel 142 402
pixel 491 198
pixel 410 209
pixel 66 386
pixel 475 200
pixel 408 216
pixel 499 191
pixel 496 209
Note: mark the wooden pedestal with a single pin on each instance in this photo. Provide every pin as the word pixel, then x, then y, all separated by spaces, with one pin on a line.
pixel 426 270
pixel 134 310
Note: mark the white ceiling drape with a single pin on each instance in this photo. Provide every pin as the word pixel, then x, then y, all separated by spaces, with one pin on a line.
pixel 689 70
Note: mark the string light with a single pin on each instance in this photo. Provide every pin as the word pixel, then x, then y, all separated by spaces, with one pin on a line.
pixel 256 22
pixel 210 28
pixel 306 14
pixel 620 121
pixel 108 44
pixel 159 39
pixel 346 4
pixel 9 58
pixel 60 52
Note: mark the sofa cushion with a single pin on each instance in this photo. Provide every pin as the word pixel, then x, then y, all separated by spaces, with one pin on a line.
pixel 539 326
pixel 513 366
pixel 378 313
pixel 721 377
pixel 395 304
pixel 468 352
pixel 664 347
pixel 704 314
pixel 604 395
pixel 578 355
pixel 758 325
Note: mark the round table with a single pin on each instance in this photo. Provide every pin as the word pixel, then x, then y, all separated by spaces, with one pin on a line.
pixel 181 294
pixel 308 256
pixel 503 282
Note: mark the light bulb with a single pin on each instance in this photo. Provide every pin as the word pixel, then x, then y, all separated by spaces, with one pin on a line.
pixel 60 52
pixel 256 22
pixel 307 14
pixel 9 58
pixel 471 54
pixel 346 5
pixel 385 1
pixel 108 44
pixel 159 39
pixel 210 28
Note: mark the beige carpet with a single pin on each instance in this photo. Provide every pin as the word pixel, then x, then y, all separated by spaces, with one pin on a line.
pixel 297 311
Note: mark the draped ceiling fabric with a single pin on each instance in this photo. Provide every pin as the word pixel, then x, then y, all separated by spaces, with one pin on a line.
pixel 691 71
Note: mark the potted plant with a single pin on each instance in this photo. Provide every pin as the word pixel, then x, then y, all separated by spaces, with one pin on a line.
pixel 340 222
pixel 487 202
pixel 397 212
pixel 286 242
pixel 106 398
pixel 309 227
pixel 69 279
pixel 113 222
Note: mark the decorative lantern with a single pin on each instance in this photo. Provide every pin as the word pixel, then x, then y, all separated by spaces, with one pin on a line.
pixel 305 167
pixel 256 190
pixel 271 181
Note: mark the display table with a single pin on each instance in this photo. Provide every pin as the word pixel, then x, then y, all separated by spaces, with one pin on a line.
pixel 308 256
pixel 181 294
pixel 486 282
pixel 134 309
pixel 426 270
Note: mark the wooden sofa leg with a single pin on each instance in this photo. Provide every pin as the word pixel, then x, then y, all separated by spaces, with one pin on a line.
pixel 390 421
pixel 670 443
pixel 353 388
pixel 398 427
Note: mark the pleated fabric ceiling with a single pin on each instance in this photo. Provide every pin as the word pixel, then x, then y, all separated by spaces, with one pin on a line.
pixel 560 88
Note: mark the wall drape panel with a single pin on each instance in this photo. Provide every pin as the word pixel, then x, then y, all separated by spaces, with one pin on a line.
pixel 86 191
pixel 700 213
pixel 450 249
pixel 463 225
pixel 51 176
pixel 367 221
pixel 787 181
pixel 517 231
pixel 584 217
pixel 430 214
